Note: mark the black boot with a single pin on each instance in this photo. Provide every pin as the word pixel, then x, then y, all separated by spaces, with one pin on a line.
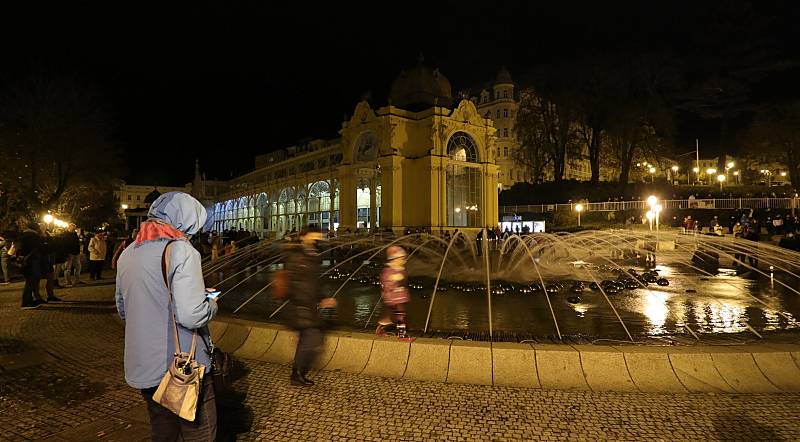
pixel 307 380
pixel 298 379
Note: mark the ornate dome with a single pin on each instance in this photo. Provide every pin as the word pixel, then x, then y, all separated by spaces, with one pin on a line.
pixel 152 196
pixel 420 88
pixel 503 76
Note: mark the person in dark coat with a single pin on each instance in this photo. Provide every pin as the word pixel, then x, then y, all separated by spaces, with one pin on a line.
pixel 303 267
pixel 72 245
pixel 49 250
pixel 30 251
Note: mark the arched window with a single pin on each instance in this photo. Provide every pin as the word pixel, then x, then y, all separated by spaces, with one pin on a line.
pixel 366 147
pixel 463 182
pixel 461 147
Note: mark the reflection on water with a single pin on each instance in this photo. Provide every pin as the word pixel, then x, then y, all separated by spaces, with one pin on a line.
pixel 655 308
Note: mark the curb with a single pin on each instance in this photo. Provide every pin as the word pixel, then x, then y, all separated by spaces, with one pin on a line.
pixel 763 368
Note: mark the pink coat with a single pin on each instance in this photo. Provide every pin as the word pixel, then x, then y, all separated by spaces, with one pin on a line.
pixel 394 290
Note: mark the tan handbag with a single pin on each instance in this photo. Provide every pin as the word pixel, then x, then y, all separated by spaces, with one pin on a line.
pixel 180 387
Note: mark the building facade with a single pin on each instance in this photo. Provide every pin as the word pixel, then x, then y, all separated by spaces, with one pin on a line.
pixel 423 160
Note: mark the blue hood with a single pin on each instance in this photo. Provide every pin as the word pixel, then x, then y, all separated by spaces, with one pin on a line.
pixel 180 210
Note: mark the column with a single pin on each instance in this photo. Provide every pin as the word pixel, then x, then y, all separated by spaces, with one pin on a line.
pixel 347 199
pixel 373 202
pixel 391 192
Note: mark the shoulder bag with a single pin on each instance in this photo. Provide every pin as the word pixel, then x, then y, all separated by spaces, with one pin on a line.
pixel 179 389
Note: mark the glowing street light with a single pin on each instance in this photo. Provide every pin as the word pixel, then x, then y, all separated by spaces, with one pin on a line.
pixel 651 201
pixel 48 218
pixel 124 207
pixel 721 179
pixel 579 209
pixel 736 174
pixel 783 173
pixel 731 164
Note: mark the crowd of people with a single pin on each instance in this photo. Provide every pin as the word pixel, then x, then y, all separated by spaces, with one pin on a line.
pixel 57 257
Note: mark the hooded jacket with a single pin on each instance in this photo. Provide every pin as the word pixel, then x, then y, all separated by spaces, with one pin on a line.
pixel 143 298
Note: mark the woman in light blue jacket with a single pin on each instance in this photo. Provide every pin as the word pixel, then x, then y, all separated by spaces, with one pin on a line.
pixel 143 303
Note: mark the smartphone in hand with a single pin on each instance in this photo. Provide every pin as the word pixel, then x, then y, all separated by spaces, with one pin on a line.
pixel 213 295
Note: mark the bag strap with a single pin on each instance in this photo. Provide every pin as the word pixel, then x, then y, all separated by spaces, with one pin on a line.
pixel 164 265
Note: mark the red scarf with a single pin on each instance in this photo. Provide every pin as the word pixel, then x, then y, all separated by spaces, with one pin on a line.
pixel 152 230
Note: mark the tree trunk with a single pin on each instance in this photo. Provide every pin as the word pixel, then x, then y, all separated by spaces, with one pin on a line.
pixel 594 155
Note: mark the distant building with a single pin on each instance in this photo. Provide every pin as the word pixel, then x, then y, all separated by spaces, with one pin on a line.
pixel 135 200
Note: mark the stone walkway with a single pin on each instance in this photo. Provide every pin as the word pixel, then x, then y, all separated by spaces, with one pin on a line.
pixel 61 380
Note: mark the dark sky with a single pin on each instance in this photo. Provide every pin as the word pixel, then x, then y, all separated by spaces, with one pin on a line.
pixel 224 81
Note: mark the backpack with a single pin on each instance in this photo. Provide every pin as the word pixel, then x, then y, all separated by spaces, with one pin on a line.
pixel 280 284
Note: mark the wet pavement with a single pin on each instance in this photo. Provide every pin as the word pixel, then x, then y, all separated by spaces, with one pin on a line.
pixel 61 380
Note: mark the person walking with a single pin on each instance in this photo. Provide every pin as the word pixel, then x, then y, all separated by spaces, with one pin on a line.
pixel 48 262
pixel 162 259
pixel 303 267
pixel 72 245
pixel 5 245
pixel 28 252
pixel 394 291
pixel 97 255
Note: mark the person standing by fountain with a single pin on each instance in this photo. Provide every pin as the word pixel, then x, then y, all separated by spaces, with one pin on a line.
pixel 303 267
pixel 394 291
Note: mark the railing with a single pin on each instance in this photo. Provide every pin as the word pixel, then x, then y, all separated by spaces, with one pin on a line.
pixel 613 206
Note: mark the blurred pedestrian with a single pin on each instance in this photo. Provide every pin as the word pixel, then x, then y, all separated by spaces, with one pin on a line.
pixel 5 245
pixel 394 291
pixel 122 246
pixel 97 255
pixel 72 245
pixel 48 247
pixel 303 266
pixel 28 252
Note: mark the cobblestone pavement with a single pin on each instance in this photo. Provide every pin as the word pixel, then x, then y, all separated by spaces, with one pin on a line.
pixel 61 380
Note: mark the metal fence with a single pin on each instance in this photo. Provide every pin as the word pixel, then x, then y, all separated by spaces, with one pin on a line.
pixel 612 206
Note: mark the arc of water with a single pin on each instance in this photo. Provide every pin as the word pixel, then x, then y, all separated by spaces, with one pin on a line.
pixel 438 277
pixel 603 292
pixel 380 249
pixel 234 257
pixel 273 261
pixel 280 307
pixel 241 306
pixel 485 246
pixel 544 289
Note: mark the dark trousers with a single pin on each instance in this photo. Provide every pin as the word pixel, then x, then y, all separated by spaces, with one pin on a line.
pixel 166 426
pixel 309 344
pixel 31 288
pixel 95 269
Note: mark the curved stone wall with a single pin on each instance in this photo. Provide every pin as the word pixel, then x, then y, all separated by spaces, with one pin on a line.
pixel 763 368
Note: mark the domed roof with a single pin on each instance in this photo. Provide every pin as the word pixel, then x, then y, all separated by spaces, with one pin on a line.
pixel 152 196
pixel 503 76
pixel 421 88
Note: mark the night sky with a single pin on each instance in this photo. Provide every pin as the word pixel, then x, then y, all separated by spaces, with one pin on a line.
pixel 224 83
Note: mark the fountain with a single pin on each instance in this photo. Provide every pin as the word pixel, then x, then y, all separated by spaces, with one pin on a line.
pixel 616 285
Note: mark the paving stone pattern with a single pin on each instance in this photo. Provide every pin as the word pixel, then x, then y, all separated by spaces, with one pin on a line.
pixel 61 380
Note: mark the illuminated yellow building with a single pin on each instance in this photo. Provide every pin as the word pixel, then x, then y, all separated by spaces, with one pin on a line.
pixel 423 160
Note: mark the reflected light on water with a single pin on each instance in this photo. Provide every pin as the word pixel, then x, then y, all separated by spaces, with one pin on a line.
pixel 726 318
pixel 655 308
pixel 580 309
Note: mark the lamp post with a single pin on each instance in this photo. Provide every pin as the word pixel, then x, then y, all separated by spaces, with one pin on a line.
pixel 721 179
pixel 675 174
pixel 650 215
pixel 768 174
pixel 655 208
pixel 579 209
pixel 696 171
pixel 736 174
pixel 728 167
pixel 657 211
pixel 652 170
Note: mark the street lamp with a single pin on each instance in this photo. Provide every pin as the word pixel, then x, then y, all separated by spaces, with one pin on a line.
pixel 657 211
pixel 675 174
pixel 48 218
pixel 650 215
pixel 736 174
pixel 124 207
pixel 696 171
pixel 768 174
pixel 579 209
pixel 721 179
pixel 652 170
